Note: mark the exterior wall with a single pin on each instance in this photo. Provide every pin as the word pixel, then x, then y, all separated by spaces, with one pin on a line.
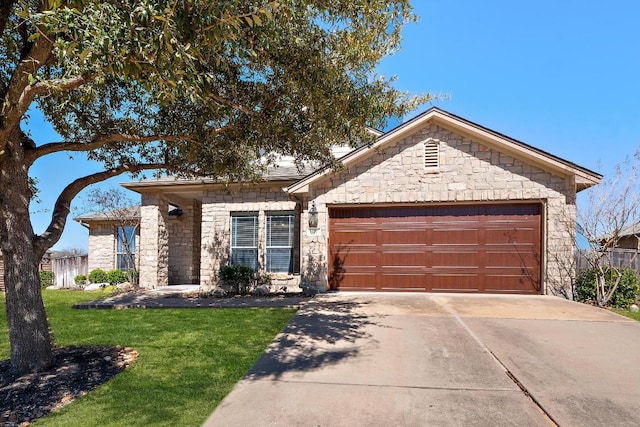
pixel 184 244
pixel 102 247
pixel 469 172
pixel 217 206
pixel 154 241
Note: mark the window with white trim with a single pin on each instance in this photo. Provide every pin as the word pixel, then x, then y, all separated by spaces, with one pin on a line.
pixel 125 248
pixel 431 156
pixel 279 242
pixel 244 239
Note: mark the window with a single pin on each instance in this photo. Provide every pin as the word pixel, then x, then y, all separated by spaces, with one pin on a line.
pixel 126 248
pixel 431 155
pixel 244 240
pixel 279 242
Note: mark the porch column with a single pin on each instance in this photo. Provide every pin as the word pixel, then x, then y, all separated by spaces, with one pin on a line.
pixel 154 241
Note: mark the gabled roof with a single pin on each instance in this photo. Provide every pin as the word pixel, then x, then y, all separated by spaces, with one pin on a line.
pixel 584 178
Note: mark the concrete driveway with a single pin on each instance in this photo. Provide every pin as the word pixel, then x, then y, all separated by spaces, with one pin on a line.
pixel 443 360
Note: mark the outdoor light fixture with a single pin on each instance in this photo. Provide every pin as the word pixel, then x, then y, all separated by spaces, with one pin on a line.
pixel 313 216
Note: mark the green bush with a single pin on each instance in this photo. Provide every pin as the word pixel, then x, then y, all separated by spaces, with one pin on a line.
pixel 239 277
pixel 625 294
pixel 47 278
pixel 116 276
pixel 97 276
pixel 80 279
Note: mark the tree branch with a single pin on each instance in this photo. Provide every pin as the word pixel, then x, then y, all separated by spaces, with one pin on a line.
pixel 48 86
pixel 14 104
pixel 5 12
pixel 56 147
pixel 227 103
pixel 63 203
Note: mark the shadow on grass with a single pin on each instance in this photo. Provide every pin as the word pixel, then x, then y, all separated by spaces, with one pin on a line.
pixel 324 332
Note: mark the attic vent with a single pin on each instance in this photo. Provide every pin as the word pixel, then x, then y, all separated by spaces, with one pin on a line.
pixel 431 155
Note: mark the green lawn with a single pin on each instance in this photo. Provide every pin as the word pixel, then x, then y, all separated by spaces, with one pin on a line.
pixel 189 359
pixel 628 313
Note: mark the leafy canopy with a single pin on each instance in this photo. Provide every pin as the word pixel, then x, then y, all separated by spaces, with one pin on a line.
pixel 206 88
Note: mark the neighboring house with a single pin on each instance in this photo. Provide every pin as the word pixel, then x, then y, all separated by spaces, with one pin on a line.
pixel 113 238
pixel 629 238
pixel 437 204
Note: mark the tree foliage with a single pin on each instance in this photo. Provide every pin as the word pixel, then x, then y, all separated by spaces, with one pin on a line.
pixel 189 87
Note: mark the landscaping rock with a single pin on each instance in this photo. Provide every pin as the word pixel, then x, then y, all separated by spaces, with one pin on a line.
pixel 262 290
pixel 95 286
pixel 124 287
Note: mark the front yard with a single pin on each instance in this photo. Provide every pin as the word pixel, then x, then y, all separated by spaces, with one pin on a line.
pixel 189 359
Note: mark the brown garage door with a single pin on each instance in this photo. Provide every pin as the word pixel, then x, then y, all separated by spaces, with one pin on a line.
pixel 485 248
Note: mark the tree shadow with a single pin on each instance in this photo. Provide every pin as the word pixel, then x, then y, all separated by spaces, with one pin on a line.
pixel 323 333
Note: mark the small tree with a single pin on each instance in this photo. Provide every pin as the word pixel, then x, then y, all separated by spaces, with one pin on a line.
pixel 612 212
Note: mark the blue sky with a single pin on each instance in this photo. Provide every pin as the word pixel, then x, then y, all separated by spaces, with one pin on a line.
pixel 559 75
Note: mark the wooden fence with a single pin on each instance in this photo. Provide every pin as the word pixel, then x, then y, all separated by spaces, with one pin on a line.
pixel 67 268
pixel 621 258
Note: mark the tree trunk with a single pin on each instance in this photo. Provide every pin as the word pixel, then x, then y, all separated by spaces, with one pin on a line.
pixel 29 336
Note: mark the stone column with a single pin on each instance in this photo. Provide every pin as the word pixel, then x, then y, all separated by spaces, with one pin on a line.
pixel 154 241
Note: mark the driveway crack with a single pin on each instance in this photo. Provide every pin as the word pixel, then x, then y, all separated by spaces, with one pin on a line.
pixel 506 370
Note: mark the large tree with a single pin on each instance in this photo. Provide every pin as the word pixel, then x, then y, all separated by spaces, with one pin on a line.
pixel 192 87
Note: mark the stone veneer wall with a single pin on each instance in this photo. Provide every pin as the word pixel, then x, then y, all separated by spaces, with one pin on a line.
pixel 154 241
pixel 469 172
pixel 217 206
pixel 184 244
pixel 102 247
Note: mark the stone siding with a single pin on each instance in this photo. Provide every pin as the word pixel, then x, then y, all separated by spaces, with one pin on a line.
pixel 217 207
pixel 184 244
pixel 102 247
pixel 154 241
pixel 469 172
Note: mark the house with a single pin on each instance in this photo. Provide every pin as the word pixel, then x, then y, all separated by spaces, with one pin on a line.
pixel 113 238
pixel 437 204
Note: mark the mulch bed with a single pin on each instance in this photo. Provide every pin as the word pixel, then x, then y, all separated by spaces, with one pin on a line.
pixel 77 371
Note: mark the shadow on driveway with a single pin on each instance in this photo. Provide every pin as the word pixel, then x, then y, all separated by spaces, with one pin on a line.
pixel 323 333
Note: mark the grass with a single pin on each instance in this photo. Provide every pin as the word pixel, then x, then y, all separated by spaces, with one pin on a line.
pixel 189 359
pixel 628 313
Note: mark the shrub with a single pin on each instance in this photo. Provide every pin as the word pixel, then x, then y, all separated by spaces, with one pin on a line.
pixel 46 278
pixel 97 276
pixel 116 276
pixel 625 294
pixel 80 279
pixel 239 277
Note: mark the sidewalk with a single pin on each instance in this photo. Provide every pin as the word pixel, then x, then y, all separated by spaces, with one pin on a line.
pixel 169 297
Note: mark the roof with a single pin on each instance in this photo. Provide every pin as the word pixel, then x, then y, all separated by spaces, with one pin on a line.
pixel 128 213
pixel 584 177
pixel 297 179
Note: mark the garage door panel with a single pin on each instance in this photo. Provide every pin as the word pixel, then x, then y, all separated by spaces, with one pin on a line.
pixel 455 259
pixel 402 281
pixel 488 248
pixel 401 259
pixel 456 236
pixel 403 236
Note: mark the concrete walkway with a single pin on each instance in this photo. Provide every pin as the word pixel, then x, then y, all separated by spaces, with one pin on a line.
pixel 179 297
pixel 443 360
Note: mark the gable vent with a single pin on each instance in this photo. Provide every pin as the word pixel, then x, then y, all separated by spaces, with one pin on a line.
pixel 431 155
